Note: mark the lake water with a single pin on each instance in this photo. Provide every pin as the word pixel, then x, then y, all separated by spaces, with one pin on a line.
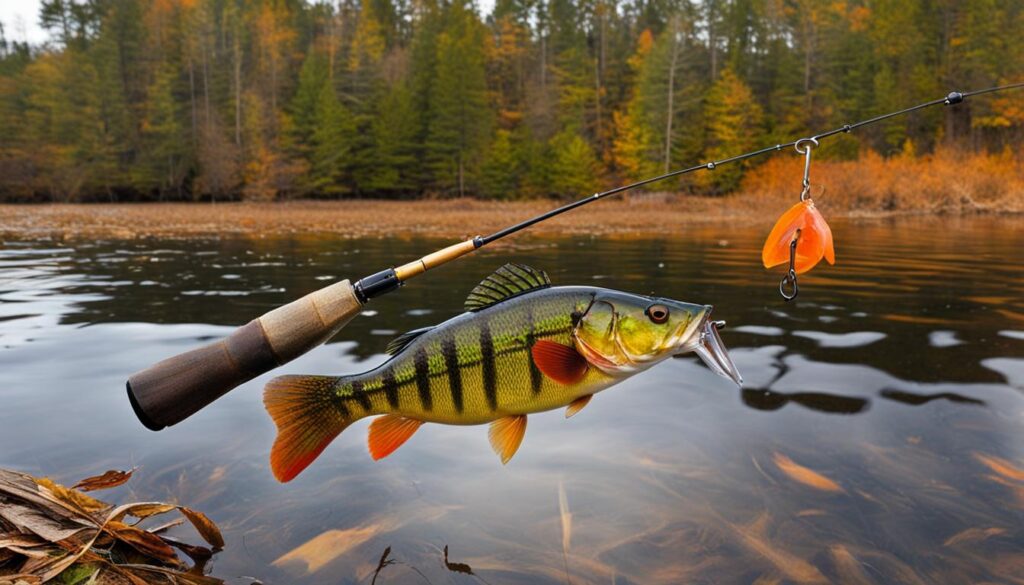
pixel 879 436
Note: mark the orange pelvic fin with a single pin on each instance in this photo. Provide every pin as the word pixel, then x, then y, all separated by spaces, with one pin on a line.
pixel 814 243
pixel 306 418
pixel 506 435
pixel 561 363
pixel 389 432
pixel 577 405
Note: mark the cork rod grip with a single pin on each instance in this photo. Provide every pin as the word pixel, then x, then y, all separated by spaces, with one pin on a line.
pixel 172 390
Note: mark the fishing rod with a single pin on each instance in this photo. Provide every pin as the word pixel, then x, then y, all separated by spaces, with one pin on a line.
pixel 170 391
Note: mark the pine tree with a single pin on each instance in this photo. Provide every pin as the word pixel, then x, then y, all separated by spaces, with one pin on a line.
pixel 393 133
pixel 732 121
pixel 332 140
pixel 312 78
pixel 573 165
pixel 499 173
pixel 164 140
pixel 459 119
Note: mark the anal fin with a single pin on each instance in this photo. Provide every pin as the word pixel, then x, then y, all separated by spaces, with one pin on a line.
pixel 389 432
pixel 506 434
pixel 577 405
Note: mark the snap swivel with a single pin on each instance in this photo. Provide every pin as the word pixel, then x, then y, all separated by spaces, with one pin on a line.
pixel 789 280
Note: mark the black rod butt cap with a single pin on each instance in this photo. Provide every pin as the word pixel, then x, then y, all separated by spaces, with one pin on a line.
pixel 143 418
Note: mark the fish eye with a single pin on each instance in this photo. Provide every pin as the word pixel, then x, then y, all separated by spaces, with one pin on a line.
pixel 657 313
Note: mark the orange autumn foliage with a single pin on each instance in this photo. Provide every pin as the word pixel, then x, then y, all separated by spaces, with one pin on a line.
pixel 947 181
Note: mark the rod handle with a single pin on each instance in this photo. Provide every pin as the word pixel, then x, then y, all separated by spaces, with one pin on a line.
pixel 174 389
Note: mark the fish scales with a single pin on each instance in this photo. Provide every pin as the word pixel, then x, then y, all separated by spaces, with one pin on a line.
pixel 491 373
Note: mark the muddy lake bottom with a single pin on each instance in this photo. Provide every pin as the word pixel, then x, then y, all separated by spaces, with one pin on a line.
pixel 878 438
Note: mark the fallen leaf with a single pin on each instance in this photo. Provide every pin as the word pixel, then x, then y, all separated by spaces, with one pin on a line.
pixel 754 537
pixel 1001 466
pixel 849 568
pixel 206 528
pixel 75 498
pixel 973 535
pixel 804 475
pixel 146 510
pixel 110 479
pixel 324 548
pixel 47 530
pixel 142 541
pixel 31 519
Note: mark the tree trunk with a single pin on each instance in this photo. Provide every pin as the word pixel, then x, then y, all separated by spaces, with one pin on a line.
pixel 670 109
pixel 462 184
pixel 206 87
pixel 238 89
pixel 713 47
pixel 192 97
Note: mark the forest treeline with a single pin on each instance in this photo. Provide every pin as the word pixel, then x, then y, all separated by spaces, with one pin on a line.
pixel 268 99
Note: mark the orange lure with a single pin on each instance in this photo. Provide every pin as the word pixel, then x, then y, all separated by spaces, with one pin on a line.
pixel 813 243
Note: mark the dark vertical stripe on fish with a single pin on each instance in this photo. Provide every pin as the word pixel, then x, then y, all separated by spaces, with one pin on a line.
pixel 536 377
pixel 390 387
pixel 490 373
pixel 423 378
pixel 360 396
pixel 451 364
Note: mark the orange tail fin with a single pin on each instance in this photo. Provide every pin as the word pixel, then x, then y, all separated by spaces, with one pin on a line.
pixel 308 417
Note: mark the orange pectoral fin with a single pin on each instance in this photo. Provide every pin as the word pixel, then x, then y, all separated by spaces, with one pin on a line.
pixel 506 434
pixel 561 363
pixel 389 432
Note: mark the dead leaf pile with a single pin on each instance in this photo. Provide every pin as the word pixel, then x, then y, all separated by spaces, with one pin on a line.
pixel 50 533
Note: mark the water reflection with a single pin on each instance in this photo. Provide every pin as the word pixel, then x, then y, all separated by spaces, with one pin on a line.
pixel 762 399
pixel 672 476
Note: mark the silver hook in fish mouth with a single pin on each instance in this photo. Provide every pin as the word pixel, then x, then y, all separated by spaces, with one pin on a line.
pixel 712 351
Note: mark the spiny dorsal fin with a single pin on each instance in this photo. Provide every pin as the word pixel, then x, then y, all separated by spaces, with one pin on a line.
pixel 402 341
pixel 508 281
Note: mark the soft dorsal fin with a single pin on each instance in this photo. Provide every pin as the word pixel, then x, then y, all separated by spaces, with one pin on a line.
pixel 508 281
pixel 402 341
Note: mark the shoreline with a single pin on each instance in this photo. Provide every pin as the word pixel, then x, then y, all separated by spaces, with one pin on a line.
pixel 644 215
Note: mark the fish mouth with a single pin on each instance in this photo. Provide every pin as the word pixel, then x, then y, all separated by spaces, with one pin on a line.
pixel 710 348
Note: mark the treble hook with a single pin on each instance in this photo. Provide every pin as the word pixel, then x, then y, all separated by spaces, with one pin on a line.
pixel 789 280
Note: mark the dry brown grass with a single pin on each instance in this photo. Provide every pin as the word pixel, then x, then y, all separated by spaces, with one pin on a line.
pixel 947 182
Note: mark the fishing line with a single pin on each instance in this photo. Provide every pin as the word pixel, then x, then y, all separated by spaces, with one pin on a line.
pixel 390 279
pixel 170 391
